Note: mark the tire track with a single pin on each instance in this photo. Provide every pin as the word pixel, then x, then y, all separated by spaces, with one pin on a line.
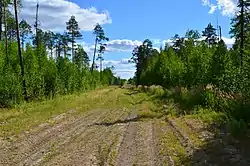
pixel 127 149
pixel 161 152
pixel 182 137
pixel 145 144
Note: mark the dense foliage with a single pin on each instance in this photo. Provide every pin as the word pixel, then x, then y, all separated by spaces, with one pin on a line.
pixel 206 66
pixel 51 66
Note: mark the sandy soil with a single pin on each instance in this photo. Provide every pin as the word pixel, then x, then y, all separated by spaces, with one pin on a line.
pixel 119 137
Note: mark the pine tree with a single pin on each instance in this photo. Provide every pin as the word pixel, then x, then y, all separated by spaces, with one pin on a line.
pixel 81 57
pixel 65 40
pixel 241 27
pixel 49 38
pixel 100 57
pixel 192 34
pixel 178 42
pixel 20 52
pixel 25 30
pixel 57 44
pixel 210 34
pixel 73 32
pixel 99 37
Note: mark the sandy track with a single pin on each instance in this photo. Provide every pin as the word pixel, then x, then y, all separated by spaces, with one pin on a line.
pixel 116 137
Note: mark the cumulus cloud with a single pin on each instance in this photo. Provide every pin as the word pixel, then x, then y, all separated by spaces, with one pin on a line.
pixel 227 7
pixel 53 14
pixel 122 45
pixel 117 45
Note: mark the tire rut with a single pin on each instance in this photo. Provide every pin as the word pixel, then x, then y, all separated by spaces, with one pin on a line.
pixel 162 153
pixel 145 150
pixel 182 137
pixel 127 149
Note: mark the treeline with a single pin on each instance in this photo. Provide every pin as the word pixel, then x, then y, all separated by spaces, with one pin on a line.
pixel 52 63
pixel 207 66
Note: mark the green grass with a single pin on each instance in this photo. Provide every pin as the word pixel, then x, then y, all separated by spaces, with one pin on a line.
pixel 171 146
pixel 26 116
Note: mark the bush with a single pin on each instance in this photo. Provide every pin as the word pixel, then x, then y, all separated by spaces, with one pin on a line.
pixel 156 90
pixel 10 90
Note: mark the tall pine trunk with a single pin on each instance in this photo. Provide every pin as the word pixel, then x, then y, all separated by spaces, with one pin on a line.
pixel 20 52
pixel 241 31
pixel 72 45
pixel 93 63
pixel 22 41
pixel 5 33
pixel 1 19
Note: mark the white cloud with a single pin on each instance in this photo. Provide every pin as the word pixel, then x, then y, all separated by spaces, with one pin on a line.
pixel 227 7
pixel 123 68
pixel 121 64
pixel 89 48
pixel 168 41
pixel 205 2
pixel 122 45
pixel 117 45
pixel 212 9
pixel 228 41
pixel 53 14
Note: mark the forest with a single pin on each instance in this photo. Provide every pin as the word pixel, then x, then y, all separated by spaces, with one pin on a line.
pixel 202 69
pixel 36 64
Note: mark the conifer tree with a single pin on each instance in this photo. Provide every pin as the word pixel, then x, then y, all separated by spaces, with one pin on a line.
pixel 73 32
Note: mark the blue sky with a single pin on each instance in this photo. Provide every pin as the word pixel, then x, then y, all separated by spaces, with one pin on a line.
pixel 128 22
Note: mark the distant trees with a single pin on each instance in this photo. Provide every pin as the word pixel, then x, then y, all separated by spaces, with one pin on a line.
pixel 193 34
pixel 140 55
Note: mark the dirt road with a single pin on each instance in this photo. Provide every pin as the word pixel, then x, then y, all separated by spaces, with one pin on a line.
pixel 122 136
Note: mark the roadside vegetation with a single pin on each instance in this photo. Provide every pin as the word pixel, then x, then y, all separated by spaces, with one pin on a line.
pixel 203 77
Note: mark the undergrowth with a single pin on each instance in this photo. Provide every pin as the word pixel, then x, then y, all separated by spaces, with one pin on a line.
pixel 216 111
